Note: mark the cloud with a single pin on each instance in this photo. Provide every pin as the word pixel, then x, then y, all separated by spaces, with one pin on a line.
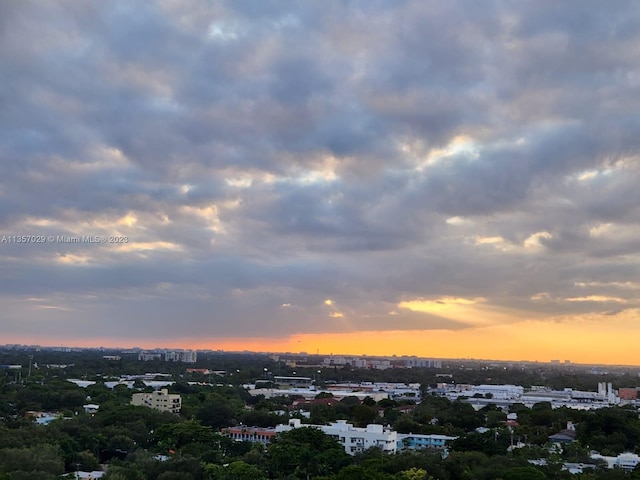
pixel 263 159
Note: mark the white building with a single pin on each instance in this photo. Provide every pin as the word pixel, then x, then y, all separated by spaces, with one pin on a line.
pixel 86 475
pixel 149 357
pixel 415 362
pixel 353 439
pixel 91 408
pixel 159 400
pixel 502 392
pixel 627 461
pixel 184 356
pixel 310 393
pixel 188 356
pixel 399 391
pixel 358 362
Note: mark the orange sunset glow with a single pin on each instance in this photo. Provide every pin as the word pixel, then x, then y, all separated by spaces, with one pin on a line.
pixel 395 178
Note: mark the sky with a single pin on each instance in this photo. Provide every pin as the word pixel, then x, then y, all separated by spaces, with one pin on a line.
pixel 443 179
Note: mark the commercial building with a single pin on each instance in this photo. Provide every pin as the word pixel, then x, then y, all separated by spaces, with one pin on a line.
pixel 313 393
pixel 292 381
pixel 502 392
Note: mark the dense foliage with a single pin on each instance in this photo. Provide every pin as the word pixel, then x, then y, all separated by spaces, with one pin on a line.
pixel 140 443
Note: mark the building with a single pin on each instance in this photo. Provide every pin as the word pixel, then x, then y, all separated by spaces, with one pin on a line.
pixel 628 393
pixel 567 435
pixel 188 356
pixel 149 357
pixel 627 461
pixel 159 400
pixel 412 441
pixel 358 362
pixel 312 393
pixel 91 408
pixel 414 362
pixel 292 381
pixel 503 392
pixel 353 439
pixel 185 356
pixel 243 433
pixel 94 475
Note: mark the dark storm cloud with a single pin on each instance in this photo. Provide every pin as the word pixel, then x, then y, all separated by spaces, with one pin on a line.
pixel 266 154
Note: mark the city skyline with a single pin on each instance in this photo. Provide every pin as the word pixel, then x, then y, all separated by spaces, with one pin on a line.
pixel 436 179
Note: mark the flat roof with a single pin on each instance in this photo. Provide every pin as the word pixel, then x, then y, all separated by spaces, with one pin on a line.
pixel 291 378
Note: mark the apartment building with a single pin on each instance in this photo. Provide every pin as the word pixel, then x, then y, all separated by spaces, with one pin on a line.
pixel 159 400
pixel 353 439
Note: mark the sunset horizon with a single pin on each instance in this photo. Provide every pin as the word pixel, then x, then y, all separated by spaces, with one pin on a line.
pixel 437 179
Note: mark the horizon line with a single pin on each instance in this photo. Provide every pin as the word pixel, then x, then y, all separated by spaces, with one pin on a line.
pixel 456 359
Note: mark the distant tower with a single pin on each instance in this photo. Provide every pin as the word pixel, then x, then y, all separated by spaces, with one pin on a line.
pixel 602 389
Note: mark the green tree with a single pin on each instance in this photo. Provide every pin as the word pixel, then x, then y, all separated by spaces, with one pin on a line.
pixel 305 451
pixel 414 473
pixel 240 470
pixel 216 411
pixel 357 472
pixel 176 436
pixel 364 415
pixel 43 458
pixel 524 473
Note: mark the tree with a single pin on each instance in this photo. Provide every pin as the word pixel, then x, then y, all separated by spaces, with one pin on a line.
pixel 324 395
pixel 611 429
pixel 305 451
pixel 175 476
pixel 414 474
pixel 259 418
pixel 176 436
pixel 357 472
pixel 43 458
pixel 216 411
pixel 524 473
pixel 363 414
pixel 240 470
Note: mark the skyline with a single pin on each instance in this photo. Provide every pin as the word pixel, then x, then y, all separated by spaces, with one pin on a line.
pixel 131 349
pixel 442 180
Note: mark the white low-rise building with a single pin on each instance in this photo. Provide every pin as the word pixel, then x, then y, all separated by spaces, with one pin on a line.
pixel 353 439
pixel 627 460
pixel 311 393
pixel 502 392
